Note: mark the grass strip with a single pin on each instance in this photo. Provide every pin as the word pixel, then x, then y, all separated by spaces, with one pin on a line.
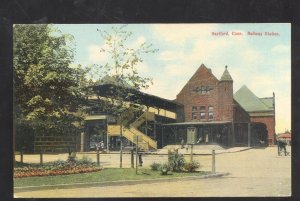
pixel 105 175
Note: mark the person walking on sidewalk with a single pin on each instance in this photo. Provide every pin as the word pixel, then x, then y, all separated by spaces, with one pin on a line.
pixel 182 143
pixel 282 146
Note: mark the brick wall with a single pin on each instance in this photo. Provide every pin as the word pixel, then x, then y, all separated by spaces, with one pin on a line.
pixel 270 123
pixel 225 97
pixel 239 114
pixel 220 97
pixel 56 142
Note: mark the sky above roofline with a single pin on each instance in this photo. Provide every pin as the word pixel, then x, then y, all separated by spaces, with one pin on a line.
pixel 257 55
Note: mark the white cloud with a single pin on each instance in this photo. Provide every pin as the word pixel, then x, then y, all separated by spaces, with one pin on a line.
pixel 283 112
pixel 251 56
pixel 165 87
pixel 138 42
pixel 171 55
pixel 143 68
pixel 173 70
pixel 94 54
pixel 180 33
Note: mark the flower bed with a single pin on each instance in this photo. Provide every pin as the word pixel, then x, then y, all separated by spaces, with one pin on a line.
pixel 55 168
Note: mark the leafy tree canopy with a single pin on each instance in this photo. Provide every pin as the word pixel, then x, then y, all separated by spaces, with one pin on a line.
pixel 46 86
pixel 124 55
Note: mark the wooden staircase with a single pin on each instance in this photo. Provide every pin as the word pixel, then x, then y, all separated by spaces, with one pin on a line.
pixel 145 142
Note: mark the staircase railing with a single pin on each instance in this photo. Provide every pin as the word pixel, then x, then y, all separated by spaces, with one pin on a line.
pixel 132 131
pixel 114 130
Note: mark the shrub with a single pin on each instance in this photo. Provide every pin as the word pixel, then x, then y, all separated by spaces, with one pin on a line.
pixel 155 166
pixel 85 160
pixel 72 158
pixel 164 169
pixel 176 161
pixel 191 166
pixel 56 168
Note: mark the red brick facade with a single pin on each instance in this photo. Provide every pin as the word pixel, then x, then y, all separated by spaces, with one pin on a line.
pixel 239 114
pixel 208 96
pixel 269 121
pixel 205 98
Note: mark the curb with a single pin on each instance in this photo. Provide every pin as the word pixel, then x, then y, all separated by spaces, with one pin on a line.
pixel 114 183
pixel 204 154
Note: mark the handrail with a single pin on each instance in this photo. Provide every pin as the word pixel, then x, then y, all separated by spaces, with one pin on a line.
pixel 145 138
pixel 142 134
pixel 133 129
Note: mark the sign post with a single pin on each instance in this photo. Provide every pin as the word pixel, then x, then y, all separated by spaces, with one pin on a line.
pixel 136 154
pixel 213 161
pixel 191 138
pixel 107 138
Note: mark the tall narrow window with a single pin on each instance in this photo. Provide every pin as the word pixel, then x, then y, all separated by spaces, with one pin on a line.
pixel 210 112
pixel 207 90
pixel 203 90
pixel 202 113
pixel 194 112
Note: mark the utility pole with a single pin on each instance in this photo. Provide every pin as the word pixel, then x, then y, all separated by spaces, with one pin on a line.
pixel 213 162
pixel 121 144
pixel 107 138
pixel 191 153
pixel 136 154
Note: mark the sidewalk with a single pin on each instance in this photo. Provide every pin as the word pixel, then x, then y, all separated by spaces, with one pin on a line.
pixel 197 150
pixel 201 149
pixel 257 172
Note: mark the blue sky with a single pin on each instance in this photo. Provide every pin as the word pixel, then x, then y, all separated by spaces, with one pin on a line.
pixel 262 63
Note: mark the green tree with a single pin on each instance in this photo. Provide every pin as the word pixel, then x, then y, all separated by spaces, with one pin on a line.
pixel 122 68
pixel 48 91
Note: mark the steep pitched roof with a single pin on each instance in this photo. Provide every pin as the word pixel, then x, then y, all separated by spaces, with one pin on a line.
pixel 201 73
pixel 226 76
pixel 249 101
pixel 268 101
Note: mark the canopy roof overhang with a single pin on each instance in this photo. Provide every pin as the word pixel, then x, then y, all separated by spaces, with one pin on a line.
pixel 95 117
pixel 198 123
pixel 138 97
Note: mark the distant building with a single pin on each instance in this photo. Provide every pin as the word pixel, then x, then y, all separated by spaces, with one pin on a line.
pixel 286 136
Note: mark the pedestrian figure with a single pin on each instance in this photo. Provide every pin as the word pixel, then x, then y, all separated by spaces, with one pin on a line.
pixel 199 140
pixel 102 145
pixel 97 146
pixel 140 160
pixel 182 143
pixel 282 146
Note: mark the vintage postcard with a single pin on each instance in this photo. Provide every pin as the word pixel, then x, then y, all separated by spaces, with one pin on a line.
pixel 152 110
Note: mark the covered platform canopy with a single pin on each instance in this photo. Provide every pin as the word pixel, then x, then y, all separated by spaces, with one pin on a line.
pixel 138 97
pixel 197 123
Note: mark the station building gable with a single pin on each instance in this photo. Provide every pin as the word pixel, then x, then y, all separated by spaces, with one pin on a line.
pixel 205 98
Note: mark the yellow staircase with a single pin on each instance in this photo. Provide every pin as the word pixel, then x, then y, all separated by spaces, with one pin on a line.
pixel 145 142
pixel 150 116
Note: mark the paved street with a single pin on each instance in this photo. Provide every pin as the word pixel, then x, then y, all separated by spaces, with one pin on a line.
pixel 254 172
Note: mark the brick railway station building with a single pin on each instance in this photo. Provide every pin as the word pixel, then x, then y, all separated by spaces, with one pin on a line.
pixel 206 109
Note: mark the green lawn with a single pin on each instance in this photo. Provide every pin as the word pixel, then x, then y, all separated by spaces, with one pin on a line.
pixel 109 174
